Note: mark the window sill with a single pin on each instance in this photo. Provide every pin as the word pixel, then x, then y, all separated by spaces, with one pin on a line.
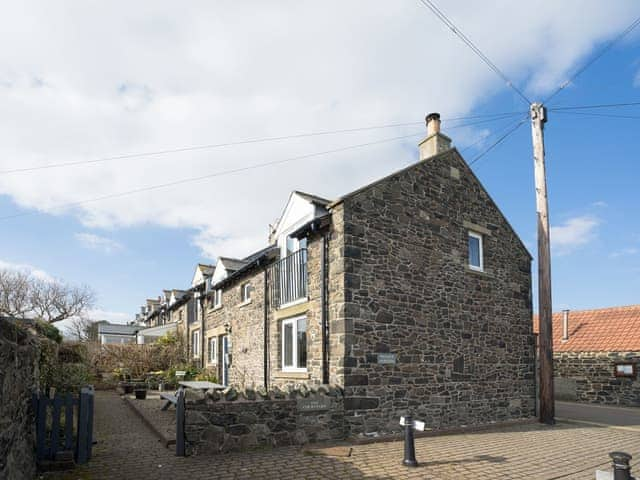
pixel 245 303
pixel 215 309
pixel 482 273
pixel 294 303
pixel 292 375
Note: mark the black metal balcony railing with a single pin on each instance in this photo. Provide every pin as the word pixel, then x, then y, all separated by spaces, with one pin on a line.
pixel 288 279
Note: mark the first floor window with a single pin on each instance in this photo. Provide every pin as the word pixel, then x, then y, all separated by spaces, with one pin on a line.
pixel 294 344
pixel 245 292
pixel 475 252
pixel 217 298
pixel 625 370
pixel 195 343
pixel 213 349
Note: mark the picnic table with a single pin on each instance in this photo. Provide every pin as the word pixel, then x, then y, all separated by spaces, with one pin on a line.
pixel 195 384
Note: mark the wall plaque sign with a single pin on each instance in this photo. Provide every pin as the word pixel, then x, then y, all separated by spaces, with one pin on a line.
pixel 387 358
pixel 313 404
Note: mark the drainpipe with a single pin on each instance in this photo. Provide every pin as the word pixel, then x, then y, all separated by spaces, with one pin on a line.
pixel 324 314
pixel 202 328
pixel 265 332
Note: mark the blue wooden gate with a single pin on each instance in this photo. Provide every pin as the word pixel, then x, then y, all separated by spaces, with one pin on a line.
pixel 64 423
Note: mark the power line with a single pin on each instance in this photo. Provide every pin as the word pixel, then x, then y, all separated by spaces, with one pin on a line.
pixel 499 141
pixel 438 13
pixel 594 114
pixel 604 50
pixel 212 175
pixel 482 139
pixel 488 118
pixel 602 105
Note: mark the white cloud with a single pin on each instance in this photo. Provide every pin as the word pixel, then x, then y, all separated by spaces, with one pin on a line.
pixel 98 79
pixel 96 242
pixel 573 233
pixel 24 267
pixel 600 204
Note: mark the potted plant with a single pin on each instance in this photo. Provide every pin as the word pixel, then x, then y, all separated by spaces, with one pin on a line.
pixel 141 392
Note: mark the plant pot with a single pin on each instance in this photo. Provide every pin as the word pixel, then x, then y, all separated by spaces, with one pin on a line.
pixel 141 393
pixel 128 388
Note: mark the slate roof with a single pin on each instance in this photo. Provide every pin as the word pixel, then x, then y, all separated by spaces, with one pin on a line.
pixel 206 269
pixel 232 264
pixel 117 329
pixel 613 329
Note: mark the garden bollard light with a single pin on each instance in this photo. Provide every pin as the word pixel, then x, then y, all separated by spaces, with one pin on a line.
pixel 409 446
pixel 621 468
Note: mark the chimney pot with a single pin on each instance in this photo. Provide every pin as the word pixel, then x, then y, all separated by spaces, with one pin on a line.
pixel 433 123
pixel 435 142
pixel 565 325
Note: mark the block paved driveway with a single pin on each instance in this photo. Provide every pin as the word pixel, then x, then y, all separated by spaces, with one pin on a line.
pixel 128 450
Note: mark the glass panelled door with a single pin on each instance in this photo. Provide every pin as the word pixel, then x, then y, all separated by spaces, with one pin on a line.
pixel 225 360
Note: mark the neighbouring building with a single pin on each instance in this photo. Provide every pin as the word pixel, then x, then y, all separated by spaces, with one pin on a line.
pixel 596 355
pixel 110 333
pixel 410 293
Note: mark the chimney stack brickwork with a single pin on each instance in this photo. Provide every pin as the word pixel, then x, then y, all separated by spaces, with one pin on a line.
pixel 435 142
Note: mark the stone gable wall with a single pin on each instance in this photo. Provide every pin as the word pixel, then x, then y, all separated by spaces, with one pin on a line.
pixel 589 377
pixel 462 341
pixel 232 421
pixel 19 355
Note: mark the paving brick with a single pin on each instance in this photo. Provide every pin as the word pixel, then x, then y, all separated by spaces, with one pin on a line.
pixel 127 449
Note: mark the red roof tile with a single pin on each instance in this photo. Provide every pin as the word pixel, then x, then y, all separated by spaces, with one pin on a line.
pixel 613 329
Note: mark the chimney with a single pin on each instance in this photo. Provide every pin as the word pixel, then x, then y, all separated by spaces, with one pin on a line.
pixel 435 142
pixel 565 325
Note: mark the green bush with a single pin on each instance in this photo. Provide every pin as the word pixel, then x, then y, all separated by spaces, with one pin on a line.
pixel 48 330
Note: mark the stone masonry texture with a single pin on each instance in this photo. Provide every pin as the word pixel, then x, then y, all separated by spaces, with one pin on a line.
pixel 589 377
pixel 249 420
pixel 19 355
pixel 462 340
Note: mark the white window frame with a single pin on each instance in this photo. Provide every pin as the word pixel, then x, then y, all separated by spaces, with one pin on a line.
pixel 294 347
pixel 195 343
pixel 479 237
pixel 245 292
pixel 217 298
pixel 213 359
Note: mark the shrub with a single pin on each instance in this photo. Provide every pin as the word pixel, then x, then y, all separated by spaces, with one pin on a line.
pixel 48 330
pixel 138 360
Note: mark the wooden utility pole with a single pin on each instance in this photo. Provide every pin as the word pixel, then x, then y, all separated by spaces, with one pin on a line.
pixel 545 337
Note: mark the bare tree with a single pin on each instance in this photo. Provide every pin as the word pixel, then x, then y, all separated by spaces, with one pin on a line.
pixel 15 293
pixel 23 295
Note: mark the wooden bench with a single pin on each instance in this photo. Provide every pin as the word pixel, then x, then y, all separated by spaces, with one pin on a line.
pixel 171 399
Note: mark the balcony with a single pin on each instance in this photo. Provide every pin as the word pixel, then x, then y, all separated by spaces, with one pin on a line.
pixel 288 279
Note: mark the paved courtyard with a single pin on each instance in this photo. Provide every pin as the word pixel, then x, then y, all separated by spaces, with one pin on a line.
pixel 127 449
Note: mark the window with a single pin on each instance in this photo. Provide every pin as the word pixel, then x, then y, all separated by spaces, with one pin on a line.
pixel 195 343
pixel 294 345
pixel 475 252
pixel 217 298
pixel 245 292
pixel 213 349
pixel 625 370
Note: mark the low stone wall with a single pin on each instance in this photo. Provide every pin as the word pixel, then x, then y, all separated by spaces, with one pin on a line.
pixel 589 377
pixel 239 421
pixel 19 354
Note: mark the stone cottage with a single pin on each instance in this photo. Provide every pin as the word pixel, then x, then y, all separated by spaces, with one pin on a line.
pixel 410 293
pixel 596 355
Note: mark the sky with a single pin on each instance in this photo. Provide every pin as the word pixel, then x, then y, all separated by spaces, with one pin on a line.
pixel 97 80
